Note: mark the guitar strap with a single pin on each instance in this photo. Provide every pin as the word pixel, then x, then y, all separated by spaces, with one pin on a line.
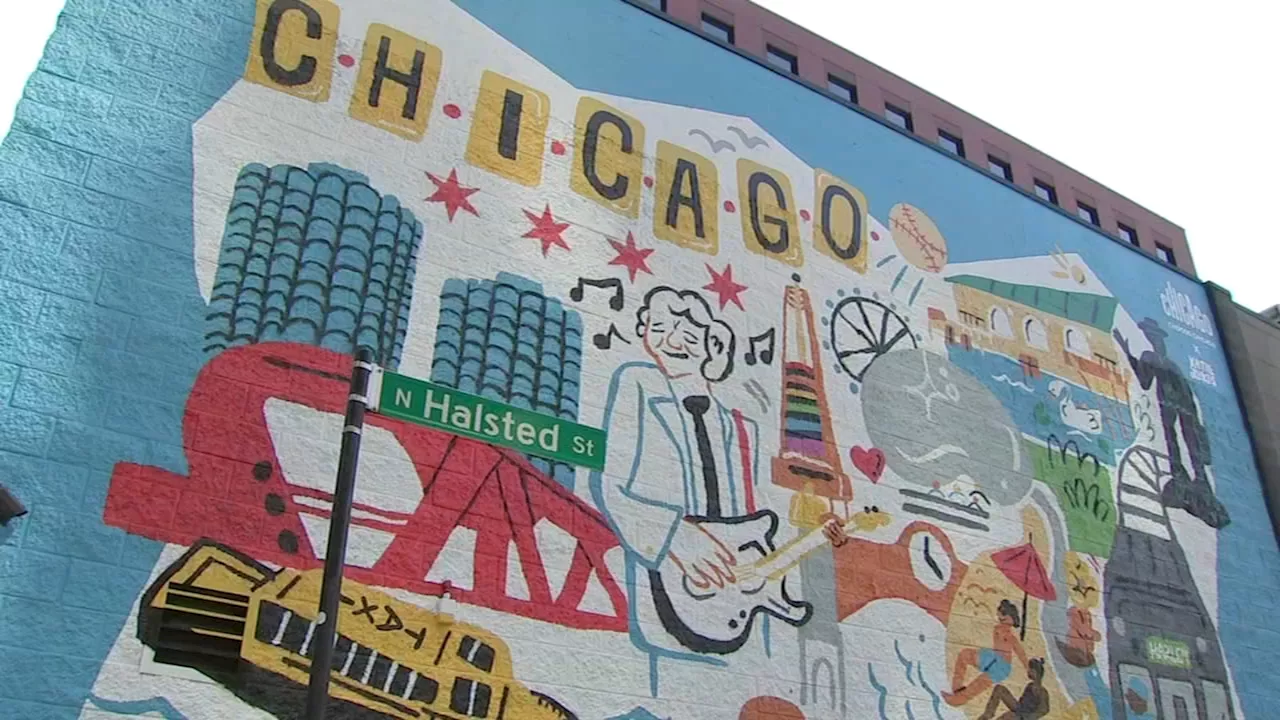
pixel 744 451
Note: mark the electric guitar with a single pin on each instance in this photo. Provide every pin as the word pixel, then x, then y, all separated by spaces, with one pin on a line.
pixel 718 620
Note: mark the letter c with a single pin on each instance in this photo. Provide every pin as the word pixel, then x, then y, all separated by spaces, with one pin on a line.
pixel 591 141
pixel 306 69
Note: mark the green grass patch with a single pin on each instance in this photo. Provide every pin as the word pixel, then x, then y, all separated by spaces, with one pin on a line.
pixel 1084 491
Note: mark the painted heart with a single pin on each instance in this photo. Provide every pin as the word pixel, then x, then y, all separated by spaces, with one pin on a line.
pixel 869 462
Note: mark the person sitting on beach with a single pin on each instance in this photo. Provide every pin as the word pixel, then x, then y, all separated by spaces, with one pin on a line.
pixel 994 664
pixel 1033 704
pixel 1082 589
pixel 1081 637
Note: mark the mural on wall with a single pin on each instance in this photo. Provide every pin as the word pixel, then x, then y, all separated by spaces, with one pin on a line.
pixel 856 467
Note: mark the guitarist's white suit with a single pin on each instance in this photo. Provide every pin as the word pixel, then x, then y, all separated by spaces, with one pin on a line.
pixel 649 486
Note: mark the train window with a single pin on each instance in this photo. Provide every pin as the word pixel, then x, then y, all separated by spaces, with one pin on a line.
pixel 1216 705
pixel 1137 691
pixel 421 688
pixel 1178 700
pixel 470 698
pixel 476 653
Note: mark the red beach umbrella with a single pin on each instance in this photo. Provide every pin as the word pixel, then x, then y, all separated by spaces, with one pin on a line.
pixel 1021 564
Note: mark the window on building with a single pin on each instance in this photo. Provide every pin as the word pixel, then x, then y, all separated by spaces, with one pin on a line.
pixel 1076 342
pixel 1000 168
pixel 972 320
pixel 1087 213
pixel 1127 233
pixel 718 29
pixel 782 60
pixel 1034 331
pixel 656 4
pixel 842 89
pixel 1000 324
pixel 1165 253
pixel 899 117
pixel 951 143
pixel 1045 192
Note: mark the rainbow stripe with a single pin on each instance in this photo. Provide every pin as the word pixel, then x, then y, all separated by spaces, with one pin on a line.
pixel 803 432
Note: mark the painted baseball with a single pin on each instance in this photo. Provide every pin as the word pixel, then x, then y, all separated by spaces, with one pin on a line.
pixel 918 238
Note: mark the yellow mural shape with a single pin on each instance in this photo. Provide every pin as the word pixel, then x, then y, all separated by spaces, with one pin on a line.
pixel 975 612
pixel 293 46
pixel 768 210
pixel 392 656
pixel 840 227
pixel 508 134
pixel 685 208
pixel 609 157
pixel 397 83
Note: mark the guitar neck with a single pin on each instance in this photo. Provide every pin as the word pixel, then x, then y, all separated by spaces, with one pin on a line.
pixel 790 554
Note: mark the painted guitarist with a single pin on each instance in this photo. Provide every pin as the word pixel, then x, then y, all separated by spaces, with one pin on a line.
pixel 702 563
pixel 693 461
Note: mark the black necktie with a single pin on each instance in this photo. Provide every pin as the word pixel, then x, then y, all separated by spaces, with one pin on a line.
pixel 697 406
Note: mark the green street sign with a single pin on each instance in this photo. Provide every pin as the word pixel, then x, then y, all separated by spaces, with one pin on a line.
pixel 451 410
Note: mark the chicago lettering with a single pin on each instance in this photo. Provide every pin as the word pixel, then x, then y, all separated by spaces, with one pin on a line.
pixel 293 50
pixel 1181 309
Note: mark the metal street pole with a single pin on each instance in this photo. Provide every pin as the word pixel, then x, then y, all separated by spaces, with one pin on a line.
pixel 339 523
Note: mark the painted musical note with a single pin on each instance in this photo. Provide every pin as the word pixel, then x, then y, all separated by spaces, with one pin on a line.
pixel 604 341
pixel 615 302
pixel 764 355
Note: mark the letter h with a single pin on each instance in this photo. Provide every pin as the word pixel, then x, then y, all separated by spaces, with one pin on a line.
pixel 412 80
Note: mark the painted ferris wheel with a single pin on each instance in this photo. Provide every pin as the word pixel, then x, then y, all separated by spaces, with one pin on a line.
pixel 862 329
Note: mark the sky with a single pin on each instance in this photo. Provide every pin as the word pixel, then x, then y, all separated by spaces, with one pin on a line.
pixel 1170 104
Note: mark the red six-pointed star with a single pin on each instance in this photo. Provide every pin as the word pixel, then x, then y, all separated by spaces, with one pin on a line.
pixel 546 230
pixel 631 257
pixel 722 285
pixel 453 194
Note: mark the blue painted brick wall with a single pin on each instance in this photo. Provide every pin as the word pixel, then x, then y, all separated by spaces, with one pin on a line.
pixel 99 339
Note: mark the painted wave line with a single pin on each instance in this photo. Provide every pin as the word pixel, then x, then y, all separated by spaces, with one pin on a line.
pixel 884 692
pixel 906 664
pixel 1014 383
pixel 937 699
pixel 934 454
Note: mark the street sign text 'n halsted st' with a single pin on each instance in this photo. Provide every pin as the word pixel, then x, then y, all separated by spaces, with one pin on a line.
pixel 445 408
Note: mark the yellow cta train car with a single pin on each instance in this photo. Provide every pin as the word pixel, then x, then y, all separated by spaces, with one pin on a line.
pixel 251 628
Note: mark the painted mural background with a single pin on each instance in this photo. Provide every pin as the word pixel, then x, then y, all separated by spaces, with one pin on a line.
pixel 886 439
